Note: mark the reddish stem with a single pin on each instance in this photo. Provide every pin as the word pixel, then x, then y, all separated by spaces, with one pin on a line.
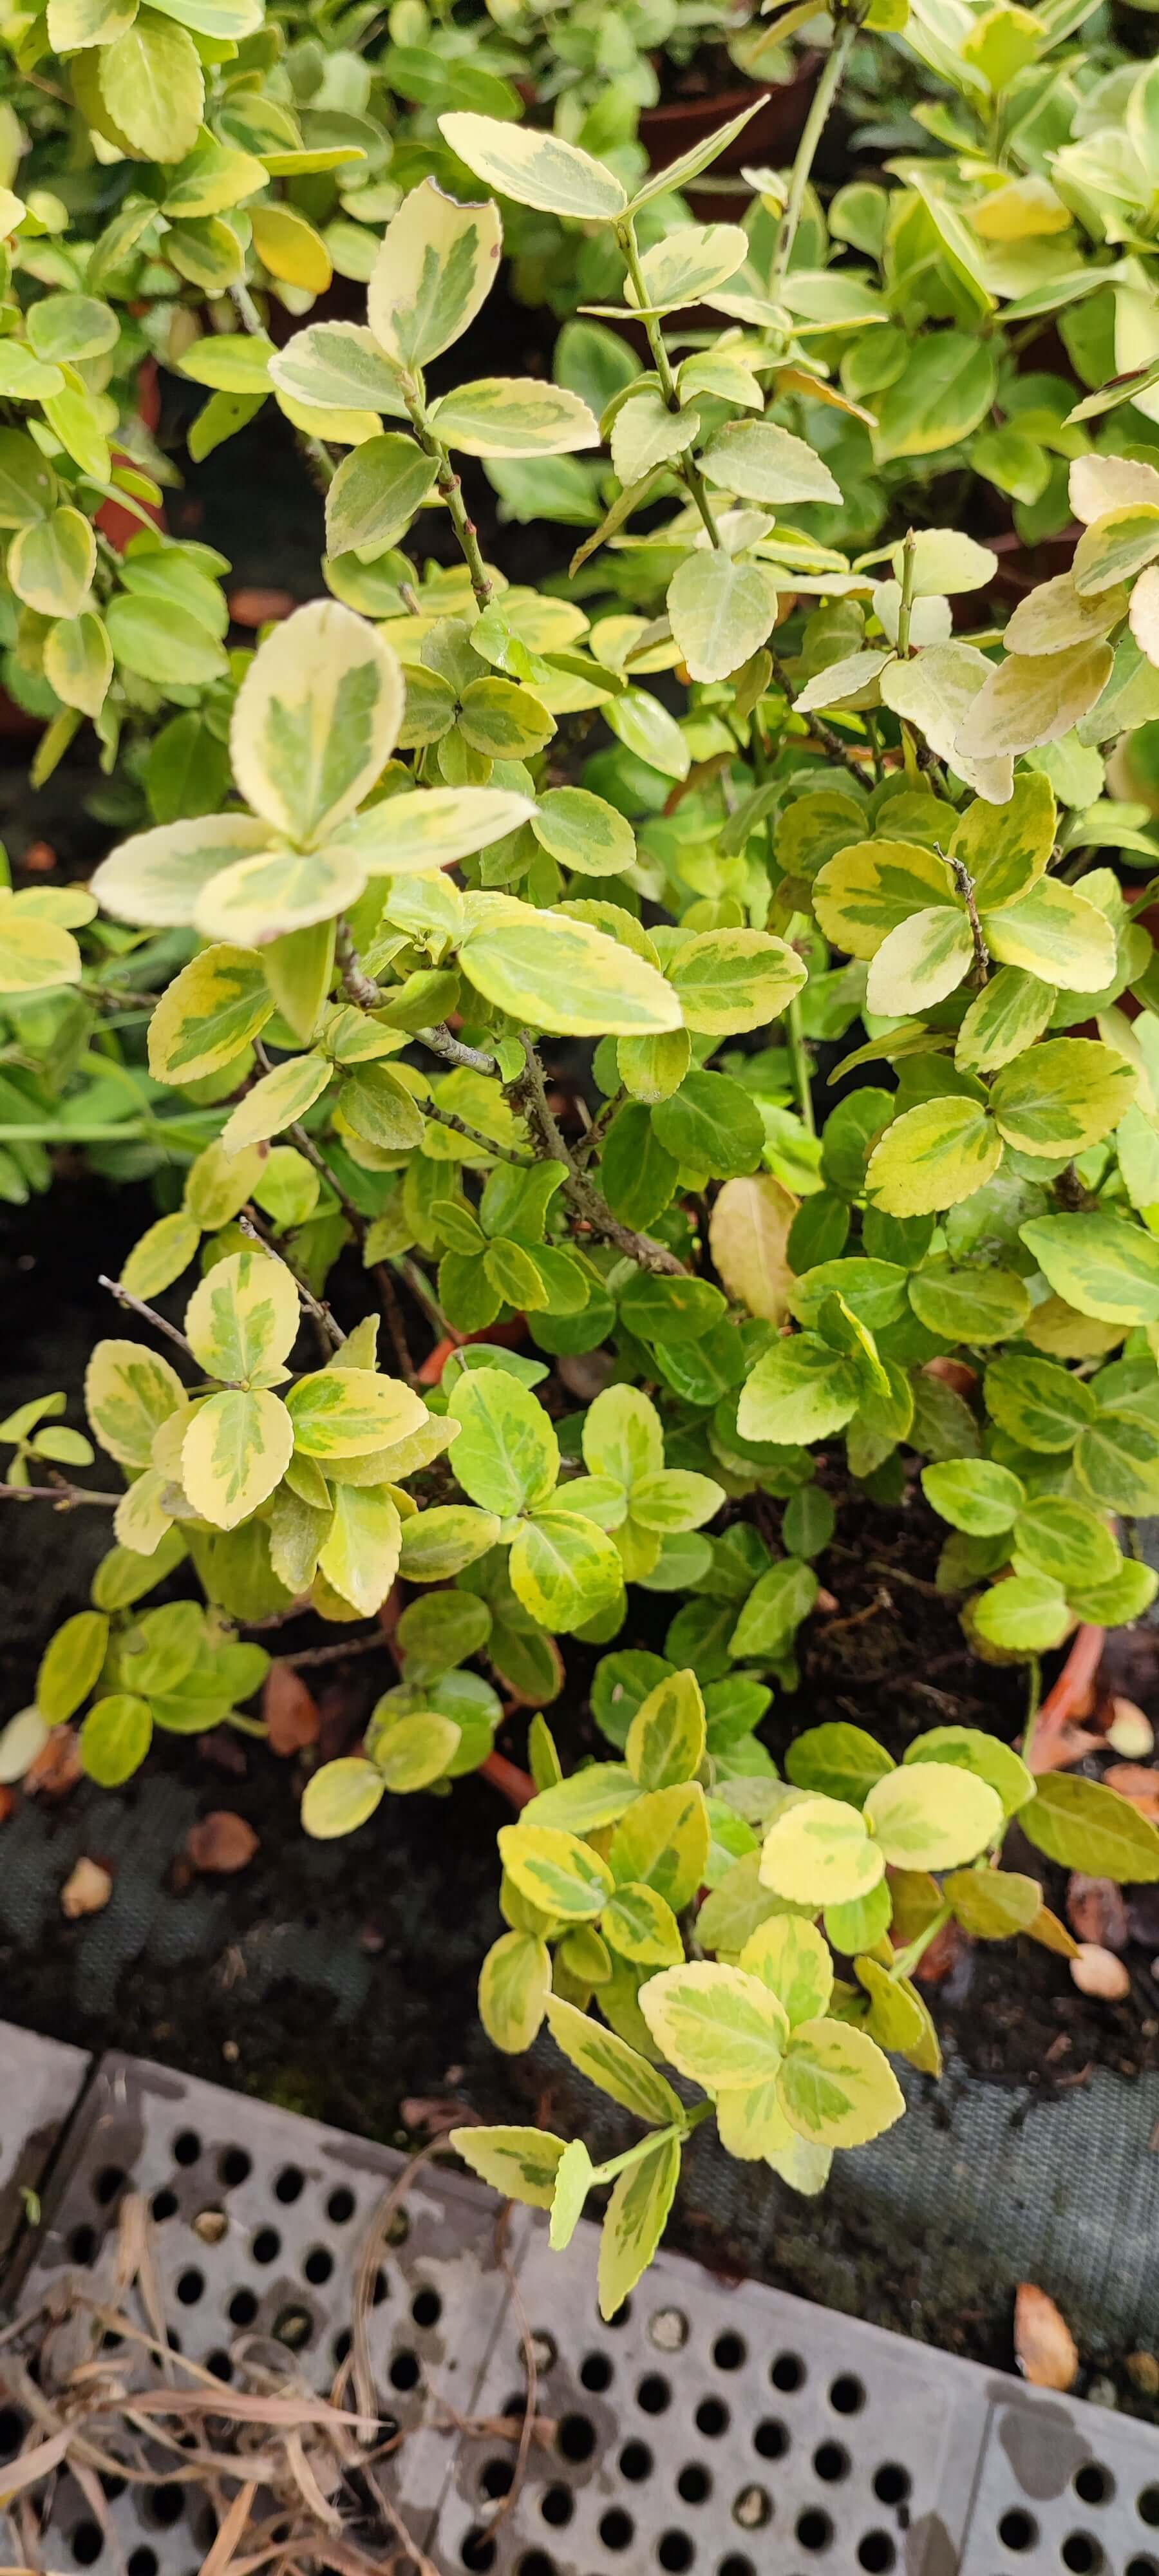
pixel 513 1784
pixel 1065 1700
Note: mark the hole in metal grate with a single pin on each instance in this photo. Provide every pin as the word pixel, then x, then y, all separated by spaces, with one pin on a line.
pixel 234 2166
pixel 814 2529
pixel 788 2372
pixel 1093 2484
pixel 693 2484
pixel 405 2370
pixel 478 2551
pixel 495 2477
pixel 831 2462
pixel 1148 2506
pixel 577 2437
pixel 1142 2567
pixel 536 2563
pixel 847 2396
pixel 1083 2554
pixel 163 2204
pixel 636 2462
pixel 166 2505
pixel 190 2287
pixel 289 2184
pixel 142 2562
pixel 11 2430
pixel 82 2244
pixel 654 2394
pixel 267 2245
pixel 736 2566
pixel 557 2506
pixel 712 2418
pixel 892 2483
pixel 728 2352
pixel 877 2553
pixel 426 2307
pixel 340 2207
pixel 318 2265
pixel 1018 2530
pixel 109 2182
pixel 88 2541
pixel 243 2308
pixel 186 2147
pixel 595 2372
pixel 617 2529
pixel 674 2552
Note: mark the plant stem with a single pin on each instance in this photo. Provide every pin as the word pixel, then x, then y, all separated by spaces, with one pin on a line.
pixel 685 466
pixel 799 1060
pixel 826 734
pixel 815 123
pixel 905 610
pixel 317 456
pixel 388 1294
pixel 655 2138
pixel 907 1959
pixel 528 1093
pixel 359 987
pixel 64 1496
pixel 312 1305
pixel 1033 1705
pixel 475 1136
pixel 441 1041
pixel 137 1306
pixel 451 491
pixel 981 966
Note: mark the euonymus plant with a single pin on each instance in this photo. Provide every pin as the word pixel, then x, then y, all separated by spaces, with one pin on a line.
pixel 487 931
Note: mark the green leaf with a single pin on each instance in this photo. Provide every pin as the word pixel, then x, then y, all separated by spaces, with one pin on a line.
pixel 974 1306
pixel 574 2176
pixel 583 832
pixel 210 1011
pixel 837 1760
pixel 156 878
pixel 315 718
pixel 720 609
pixel 78 661
pixel 51 563
pixel 434 271
pixel 774 1611
pixel 931 1815
pixel 505 1452
pixel 115 1738
pixel 1057 935
pixel 1007 848
pixel 710 1125
pixel 666 1739
pixel 376 492
pixel 791 1959
pixel 535 168
pixel 1101 1265
pixel 163 642
pixel 608 2061
pixel 932 1157
pixel 1066 1540
pixel 799 1391
pixel 870 887
pixel 237 1448
pixel 645 727
pixel 520 2163
pixel 634 2222
pixel 413 1751
pixel 920 962
pixel 331 366
pixel 641 1926
pixel 1033 699
pixel 514 1988
pixel 161 1254
pixel 1010 1012
pixel 688 165
pixel 243 1317
pixel 731 980
pixel 438 1542
pixel 597 1795
pixel 152 86
pixel 663 1842
pixel 342 1413
pixel 564 1569
pixel 71 1664
pixel 1083 1825
pixel 564 976
pixel 1041 1405
pixel 819 1852
pixel 836 2088
pixel 758 461
pixel 716 2025
pixel 1060 1097
pixel 945 390
pixel 129 1393
pixel 1025 1616
pixel 992 1904
pixel 513 416
pixel 974 1495
pixel 409 834
pixel 556 1871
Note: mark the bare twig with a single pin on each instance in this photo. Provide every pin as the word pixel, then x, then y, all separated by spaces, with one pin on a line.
pixel 388 1294
pixel 475 1136
pixel 359 987
pixel 528 1093
pixel 65 1496
pixel 442 1042
pixel 148 1314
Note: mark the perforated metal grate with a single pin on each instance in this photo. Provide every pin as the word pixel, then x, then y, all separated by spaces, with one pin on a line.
pixel 40 2080
pixel 722 2431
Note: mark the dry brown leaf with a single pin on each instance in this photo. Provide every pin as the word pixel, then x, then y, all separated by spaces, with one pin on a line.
pixel 1130 1732
pixel 221 1841
pixel 944 1952
pixel 289 1709
pixel 1096 1911
pixel 1138 1782
pixel 257 607
pixel 7 1803
pixel 748 1232
pixel 86 1890
pixel 952 1373
pixel 1097 1972
pixel 56 1768
pixel 1044 2346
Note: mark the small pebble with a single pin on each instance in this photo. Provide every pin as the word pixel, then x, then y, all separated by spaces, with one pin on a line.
pixel 1102 2392
pixel 1143 2373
